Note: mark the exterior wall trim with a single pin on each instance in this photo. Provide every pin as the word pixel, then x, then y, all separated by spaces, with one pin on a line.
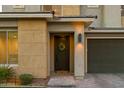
pixel 105 31
pixel 26 15
pixel 72 20
pixel 105 37
pixel 9 29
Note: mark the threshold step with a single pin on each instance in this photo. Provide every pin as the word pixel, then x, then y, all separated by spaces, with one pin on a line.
pixel 61 81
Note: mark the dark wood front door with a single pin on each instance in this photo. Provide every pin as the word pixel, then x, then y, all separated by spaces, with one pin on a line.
pixel 61 47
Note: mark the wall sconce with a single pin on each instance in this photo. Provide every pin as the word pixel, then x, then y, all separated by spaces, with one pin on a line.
pixel 79 37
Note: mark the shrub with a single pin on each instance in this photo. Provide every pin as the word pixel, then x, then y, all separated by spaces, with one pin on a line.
pixel 6 72
pixel 26 79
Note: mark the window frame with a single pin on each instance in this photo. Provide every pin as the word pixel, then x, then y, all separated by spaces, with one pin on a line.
pixel 6 32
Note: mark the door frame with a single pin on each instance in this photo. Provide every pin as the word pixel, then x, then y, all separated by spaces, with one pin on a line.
pixel 71 53
pixel 86 47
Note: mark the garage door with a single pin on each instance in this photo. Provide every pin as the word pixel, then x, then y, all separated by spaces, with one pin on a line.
pixel 105 55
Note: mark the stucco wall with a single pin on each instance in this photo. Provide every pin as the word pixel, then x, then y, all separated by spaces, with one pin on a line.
pixel 32 38
pixel 85 11
pixel 112 16
pixel 60 27
pixel 108 15
pixel 79 50
pixel 27 8
pixel 65 10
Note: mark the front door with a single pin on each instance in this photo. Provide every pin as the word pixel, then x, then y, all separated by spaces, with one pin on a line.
pixel 61 48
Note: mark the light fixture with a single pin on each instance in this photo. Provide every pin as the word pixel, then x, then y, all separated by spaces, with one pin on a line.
pixel 79 37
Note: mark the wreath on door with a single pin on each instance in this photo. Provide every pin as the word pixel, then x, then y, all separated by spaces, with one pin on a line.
pixel 61 46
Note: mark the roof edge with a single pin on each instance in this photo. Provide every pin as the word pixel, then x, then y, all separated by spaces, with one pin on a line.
pixel 78 17
pixel 49 12
pixel 106 28
pixel 26 15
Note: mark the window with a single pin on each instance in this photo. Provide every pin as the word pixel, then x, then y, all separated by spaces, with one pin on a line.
pixel 3 51
pixel 12 48
pixel 8 47
pixel 18 6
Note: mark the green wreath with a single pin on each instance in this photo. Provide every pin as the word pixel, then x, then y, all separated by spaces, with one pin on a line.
pixel 61 47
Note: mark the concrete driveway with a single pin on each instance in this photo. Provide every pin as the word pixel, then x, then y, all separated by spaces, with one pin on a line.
pixel 101 81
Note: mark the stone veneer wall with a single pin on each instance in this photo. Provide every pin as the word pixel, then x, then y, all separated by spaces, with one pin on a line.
pixel 71 10
pixel 32 38
pixel 122 21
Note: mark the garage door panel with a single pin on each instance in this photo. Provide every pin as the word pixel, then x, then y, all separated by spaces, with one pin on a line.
pixel 105 55
pixel 105 69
